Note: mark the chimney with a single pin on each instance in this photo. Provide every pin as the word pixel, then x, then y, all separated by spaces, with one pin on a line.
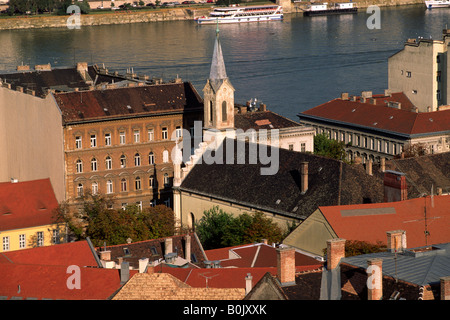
pixel 286 266
pixel 23 68
pixel 262 107
pixel 375 279
pixel 344 96
pixel 42 67
pixel 304 177
pixel 445 288
pixel 124 272
pixel 396 240
pixel 243 110
pixel 264 241
pixel 82 66
pixel 143 263
pixel 335 252
pixel 439 191
pixel 248 283
pixel 168 243
pixel 187 249
pixel 105 255
pixel 366 94
pixel 382 164
pixel 395 188
pixel 387 93
pixel 428 109
pixel 373 101
pixel 369 167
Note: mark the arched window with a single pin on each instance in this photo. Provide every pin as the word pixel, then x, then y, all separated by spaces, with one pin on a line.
pixel 79 166
pixel 94 164
pixel 123 161
pixel 137 183
pixel 109 186
pixel 80 190
pixel 94 188
pixel 151 158
pixel 137 159
pixel 151 182
pixel 224 111
pixel 108 163
pixel 165 156
pixel 123 185
pixel 166 180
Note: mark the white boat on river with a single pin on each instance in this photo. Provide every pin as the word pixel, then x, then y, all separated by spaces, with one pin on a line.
pixel 243 14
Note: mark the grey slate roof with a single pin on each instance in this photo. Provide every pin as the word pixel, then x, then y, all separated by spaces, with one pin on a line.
pixel 331 182
pixel 420 268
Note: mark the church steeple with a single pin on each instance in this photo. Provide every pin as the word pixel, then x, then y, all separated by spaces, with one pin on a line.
pixel 218 93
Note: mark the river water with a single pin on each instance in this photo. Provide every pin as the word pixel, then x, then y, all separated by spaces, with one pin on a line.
pixel 290 65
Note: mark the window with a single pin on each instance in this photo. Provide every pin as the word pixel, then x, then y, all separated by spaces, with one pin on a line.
pixel 94 164
pixel 22 241
pixel 342 136
pixel 166 180
pixel 107 139
pixel 151 158
pixel 137 136
pixel 167 203
pixel 151 135
pixel 291 147
pixel 93 140
pixel 408 74
pixel 152 203
pixel 438 94
pixel 210 111
pixel 80 190
pixel 178 132
pixel 109 186
pixel 79 166
pixel 40 238
pixel 139 205
pixel 123 161
pixel 438 76
pixel 94 188
pixel 303 147
pixel 78 144
pixel 365 142
pixel 108 163
pixel 137 183
pixel 151 182
pixel 224 111
pixel 123 185
pixel 122 137
pixel 55 236
pixel 165 156
pixel 164 133
pixel 137 160
pixel 5 243
pixel 358 141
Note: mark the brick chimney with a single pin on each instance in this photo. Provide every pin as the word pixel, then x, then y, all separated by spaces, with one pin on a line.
pixel 395 188
pixel 105 255
pixel 248 283
pixel 168 244
pixel 304 177
pixel 187 249
pixel 445 288
pixel 396 240
pixel 286 266
pixel 375 279
pixel 335 252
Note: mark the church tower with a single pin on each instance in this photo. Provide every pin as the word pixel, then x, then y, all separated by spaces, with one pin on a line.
pixel 218 97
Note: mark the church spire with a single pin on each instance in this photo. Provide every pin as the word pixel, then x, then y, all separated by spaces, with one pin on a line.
pixel 218 71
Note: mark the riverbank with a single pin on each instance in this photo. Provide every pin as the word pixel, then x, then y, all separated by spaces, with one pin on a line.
pixel 169 14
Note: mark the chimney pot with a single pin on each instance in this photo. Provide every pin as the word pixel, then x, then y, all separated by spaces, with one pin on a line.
pixel 286 265
pixel 248 283
pixel 304 177
pixel 262 107
pixel 344 96
pixel 335 252
pixel 396 240
pixel 445 288
pixel 375 279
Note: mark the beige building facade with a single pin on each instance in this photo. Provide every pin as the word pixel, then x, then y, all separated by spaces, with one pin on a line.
pixel 421 71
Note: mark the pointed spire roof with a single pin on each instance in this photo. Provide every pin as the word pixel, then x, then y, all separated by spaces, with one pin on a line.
pixel 218 71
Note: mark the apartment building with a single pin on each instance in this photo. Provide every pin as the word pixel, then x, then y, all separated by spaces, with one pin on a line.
pixel 421 70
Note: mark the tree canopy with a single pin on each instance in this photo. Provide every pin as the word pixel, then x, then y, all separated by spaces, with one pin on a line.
pixel 218 229
pixel 41 6
pixel 323 146
pixel 100 224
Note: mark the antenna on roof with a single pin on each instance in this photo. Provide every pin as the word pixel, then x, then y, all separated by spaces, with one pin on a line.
pixel 207 278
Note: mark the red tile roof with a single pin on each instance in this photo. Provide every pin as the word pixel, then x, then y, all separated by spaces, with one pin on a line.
pixel 26 204
pixel 77 253
pixel 373 220
pixel 50 282
pixel 258 255
pixel 381 117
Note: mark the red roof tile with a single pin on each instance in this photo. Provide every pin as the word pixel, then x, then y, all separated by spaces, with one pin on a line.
pixel 375 219
pixel 77 253
pixel 381 117
pixel 26 204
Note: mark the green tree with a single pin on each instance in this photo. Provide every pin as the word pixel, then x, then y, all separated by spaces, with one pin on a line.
pixel 357 247
pixel 217 229
pixel 323 146
pixel 160 221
